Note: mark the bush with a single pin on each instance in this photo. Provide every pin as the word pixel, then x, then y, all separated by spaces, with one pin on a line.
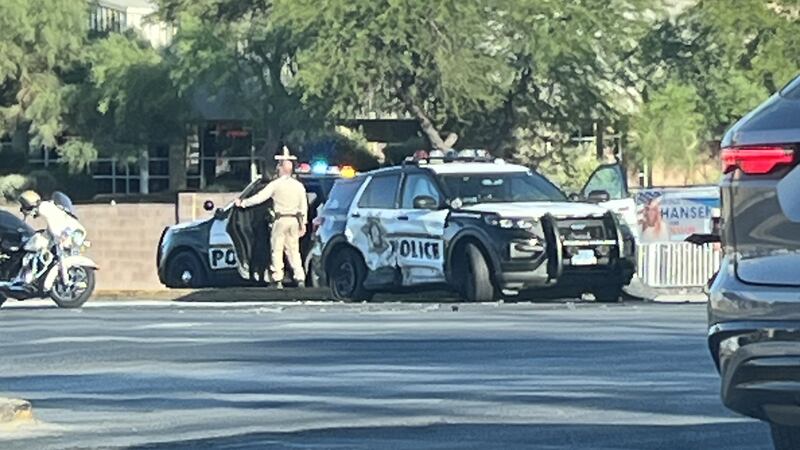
pixel 13 185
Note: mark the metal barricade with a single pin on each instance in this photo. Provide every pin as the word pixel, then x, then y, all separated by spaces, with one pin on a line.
pixel 677 265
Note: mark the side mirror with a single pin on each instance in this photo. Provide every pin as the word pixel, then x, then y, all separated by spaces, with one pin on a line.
pixel 425 202
pixel 598 196
pixel 219 214
pixel 208 205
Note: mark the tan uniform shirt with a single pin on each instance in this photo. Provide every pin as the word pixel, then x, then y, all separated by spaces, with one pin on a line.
pixel 288 196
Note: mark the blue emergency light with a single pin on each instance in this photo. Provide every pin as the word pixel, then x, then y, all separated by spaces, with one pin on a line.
pixel 319 167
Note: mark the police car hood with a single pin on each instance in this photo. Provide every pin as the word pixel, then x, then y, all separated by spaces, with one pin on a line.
pixel 539 209
pixel 186 225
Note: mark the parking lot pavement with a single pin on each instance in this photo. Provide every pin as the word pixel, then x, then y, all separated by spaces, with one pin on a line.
pixel 384 375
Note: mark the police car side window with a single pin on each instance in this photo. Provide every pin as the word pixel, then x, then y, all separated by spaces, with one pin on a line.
pixel 417 185
pixel 341 196
pixel 380 193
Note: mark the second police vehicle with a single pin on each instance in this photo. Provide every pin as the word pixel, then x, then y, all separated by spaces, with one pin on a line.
pixel 480 226
pixel 232 247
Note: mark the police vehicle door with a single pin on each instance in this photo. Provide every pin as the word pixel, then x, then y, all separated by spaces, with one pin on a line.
pixel 419 230
pixel 611 179
pixel 221 254
pixel 249 233
pixel 371 221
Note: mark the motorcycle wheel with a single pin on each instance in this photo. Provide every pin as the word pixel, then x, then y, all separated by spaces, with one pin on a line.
pixel 77 291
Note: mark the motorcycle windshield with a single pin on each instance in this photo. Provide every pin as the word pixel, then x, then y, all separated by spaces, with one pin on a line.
pixel 62 200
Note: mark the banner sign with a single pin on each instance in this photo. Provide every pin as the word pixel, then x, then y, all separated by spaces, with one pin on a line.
pixel 672 214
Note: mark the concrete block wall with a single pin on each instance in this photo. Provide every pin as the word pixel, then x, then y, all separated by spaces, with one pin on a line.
pixel 124 241
pixel 190 204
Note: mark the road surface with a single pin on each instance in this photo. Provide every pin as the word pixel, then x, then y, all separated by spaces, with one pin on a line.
pixel 366 376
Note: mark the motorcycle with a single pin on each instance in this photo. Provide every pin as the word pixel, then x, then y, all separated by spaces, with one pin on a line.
pixel 47 262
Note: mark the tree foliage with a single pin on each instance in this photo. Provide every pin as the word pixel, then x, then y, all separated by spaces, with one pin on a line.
pixel 433 61
pixel 236 50
pixel 42 43
pixel 128 101
pixel 519 77
pixel 668 127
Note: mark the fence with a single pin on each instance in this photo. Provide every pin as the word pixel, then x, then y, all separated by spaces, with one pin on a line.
pixel 677 265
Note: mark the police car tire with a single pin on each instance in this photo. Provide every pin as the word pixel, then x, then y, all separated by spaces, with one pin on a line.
pixel 478 285
pixel 180 263
pixel 357 293
pixel 608 294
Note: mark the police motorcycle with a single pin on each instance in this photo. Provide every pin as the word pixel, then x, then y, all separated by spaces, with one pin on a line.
pixel 46 262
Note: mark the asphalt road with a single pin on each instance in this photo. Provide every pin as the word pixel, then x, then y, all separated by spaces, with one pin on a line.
pixel 366 376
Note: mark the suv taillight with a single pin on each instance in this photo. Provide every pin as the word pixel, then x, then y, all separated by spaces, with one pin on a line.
pixel 755 160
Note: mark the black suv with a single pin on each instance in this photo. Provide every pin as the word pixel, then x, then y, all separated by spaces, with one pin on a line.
pixel 486 229
pixel 754 300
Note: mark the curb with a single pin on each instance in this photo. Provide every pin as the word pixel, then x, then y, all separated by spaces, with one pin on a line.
pixel 15 410
pixel 681 298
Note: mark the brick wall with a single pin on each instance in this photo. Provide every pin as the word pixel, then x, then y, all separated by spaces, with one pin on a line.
pixel 190 204
pixel 124 243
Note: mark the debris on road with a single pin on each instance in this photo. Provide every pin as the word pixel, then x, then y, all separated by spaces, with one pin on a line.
pixel 15 410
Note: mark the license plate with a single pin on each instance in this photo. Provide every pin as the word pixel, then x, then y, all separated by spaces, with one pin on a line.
pixel 584 258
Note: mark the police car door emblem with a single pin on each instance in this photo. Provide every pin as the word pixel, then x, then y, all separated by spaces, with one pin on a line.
pixel 376 235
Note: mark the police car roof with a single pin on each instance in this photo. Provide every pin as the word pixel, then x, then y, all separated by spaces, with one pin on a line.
pixel 473 167
pixel 456 167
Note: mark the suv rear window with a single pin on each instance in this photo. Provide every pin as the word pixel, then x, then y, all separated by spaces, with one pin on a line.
pixel 342 194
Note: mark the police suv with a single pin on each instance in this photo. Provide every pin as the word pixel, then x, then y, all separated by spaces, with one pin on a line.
pixel 232 247
pixel 482 227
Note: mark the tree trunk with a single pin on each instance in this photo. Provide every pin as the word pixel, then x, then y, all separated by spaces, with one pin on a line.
pixel 177 167
pixel 437 143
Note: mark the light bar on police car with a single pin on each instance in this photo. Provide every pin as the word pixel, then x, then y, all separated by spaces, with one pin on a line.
pixel 319 167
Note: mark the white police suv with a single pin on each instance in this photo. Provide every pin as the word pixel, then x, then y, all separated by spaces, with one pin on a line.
pixel 482 227
pixel 232 247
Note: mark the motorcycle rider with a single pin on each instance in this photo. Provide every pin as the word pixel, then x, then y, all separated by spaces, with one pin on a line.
pixel 58 220
pixel 29 201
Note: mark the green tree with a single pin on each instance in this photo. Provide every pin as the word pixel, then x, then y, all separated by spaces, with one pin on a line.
pixel 734 57
pixel 571 66
pixel 434 61
pixel 235 49
pixel 668 127
pixel 128 102
pixel 41 46
pixel 501 74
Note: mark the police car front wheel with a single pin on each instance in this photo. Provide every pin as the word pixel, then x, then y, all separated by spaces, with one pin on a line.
pixel 477 283
pixel 185 271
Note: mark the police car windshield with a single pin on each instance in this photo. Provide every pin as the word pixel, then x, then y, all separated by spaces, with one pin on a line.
pixel 501 187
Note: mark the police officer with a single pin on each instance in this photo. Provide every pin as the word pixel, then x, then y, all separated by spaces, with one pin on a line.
pixel 290 205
